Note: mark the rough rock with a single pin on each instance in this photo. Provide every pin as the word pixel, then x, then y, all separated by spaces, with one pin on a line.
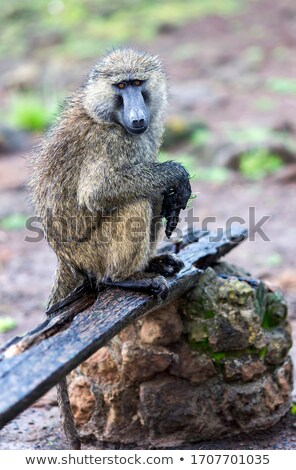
pixel 213 364
pixel 139 362
pixel 244 368
pixel 278 344
pixel 122 420
pixel 255 405
pixel 82 400
pixel 191 365
pixel 130 333
pixel 162 327
pixel 101 367
pixel 174 408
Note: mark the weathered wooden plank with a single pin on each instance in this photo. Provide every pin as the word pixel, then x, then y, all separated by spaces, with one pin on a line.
pixel 25 377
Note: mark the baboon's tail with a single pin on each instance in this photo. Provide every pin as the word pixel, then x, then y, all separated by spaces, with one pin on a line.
pixel 62 387
pixel 67 415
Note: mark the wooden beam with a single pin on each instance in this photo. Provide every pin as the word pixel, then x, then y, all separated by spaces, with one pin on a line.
pixel 33 364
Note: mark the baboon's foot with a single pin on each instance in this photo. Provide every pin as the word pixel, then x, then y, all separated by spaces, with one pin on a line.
pixel 143 282
pixel 166 264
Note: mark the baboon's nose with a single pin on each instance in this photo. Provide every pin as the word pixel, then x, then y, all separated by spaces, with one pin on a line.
pixel 137 118
pixel 138 123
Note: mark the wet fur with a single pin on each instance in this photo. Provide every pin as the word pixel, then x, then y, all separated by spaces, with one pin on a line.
pixel 88 164
pixel 87 170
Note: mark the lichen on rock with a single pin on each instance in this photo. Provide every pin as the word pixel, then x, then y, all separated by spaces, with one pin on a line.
pixel 223 312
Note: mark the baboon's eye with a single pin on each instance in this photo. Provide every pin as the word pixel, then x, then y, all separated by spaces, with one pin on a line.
pixel 121 85
pixel 137 82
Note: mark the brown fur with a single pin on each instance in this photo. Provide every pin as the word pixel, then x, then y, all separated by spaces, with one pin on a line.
pixel 87 163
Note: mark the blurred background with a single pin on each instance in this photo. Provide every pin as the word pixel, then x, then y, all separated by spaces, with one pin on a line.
pixel 232 120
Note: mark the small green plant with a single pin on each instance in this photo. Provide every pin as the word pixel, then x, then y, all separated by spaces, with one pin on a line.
pixel 282 85
pixel 274 260
pixel 7 324
pixel 31 113
pixel 293 409
pixel 213 174
pixel 258 163
pixel 13 222
pixel 201 137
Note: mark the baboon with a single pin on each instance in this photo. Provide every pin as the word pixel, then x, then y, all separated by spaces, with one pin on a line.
pixel 99 191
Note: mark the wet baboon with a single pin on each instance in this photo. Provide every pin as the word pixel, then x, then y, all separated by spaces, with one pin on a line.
pixel 99 190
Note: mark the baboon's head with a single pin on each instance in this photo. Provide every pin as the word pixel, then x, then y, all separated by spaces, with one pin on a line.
pixel 128 88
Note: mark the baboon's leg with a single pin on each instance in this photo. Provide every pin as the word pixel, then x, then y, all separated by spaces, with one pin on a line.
pixel 143 282
pixel 165 264
pixel 65 281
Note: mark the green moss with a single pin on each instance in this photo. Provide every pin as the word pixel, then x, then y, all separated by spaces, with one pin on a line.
pixel 265 324
pixel 293 409
pixel 217 307
pixel 276 310
pixel 271 307
pixel 263 352
pixel 202 345
pixel 209 314
pixel 218 356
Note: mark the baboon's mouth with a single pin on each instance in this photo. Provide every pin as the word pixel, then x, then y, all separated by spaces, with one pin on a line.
pixel 137 130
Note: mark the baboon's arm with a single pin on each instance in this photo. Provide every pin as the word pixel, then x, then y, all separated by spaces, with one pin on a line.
pixel 109 187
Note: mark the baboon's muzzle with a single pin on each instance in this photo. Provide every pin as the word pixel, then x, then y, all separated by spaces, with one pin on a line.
pixel 135 112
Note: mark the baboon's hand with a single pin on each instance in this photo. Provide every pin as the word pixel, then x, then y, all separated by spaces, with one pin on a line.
pixel 179 184
pixel 182 190
pixel 175 197
pixel 170 210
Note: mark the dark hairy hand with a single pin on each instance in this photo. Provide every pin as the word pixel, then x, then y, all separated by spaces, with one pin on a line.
pixel 175 199
pixel 170 211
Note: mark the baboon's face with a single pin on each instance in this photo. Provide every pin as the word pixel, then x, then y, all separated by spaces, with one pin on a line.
pixel 127 88
pixel 131 110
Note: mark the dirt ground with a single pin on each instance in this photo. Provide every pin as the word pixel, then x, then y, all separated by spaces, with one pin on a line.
pixel 221 79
